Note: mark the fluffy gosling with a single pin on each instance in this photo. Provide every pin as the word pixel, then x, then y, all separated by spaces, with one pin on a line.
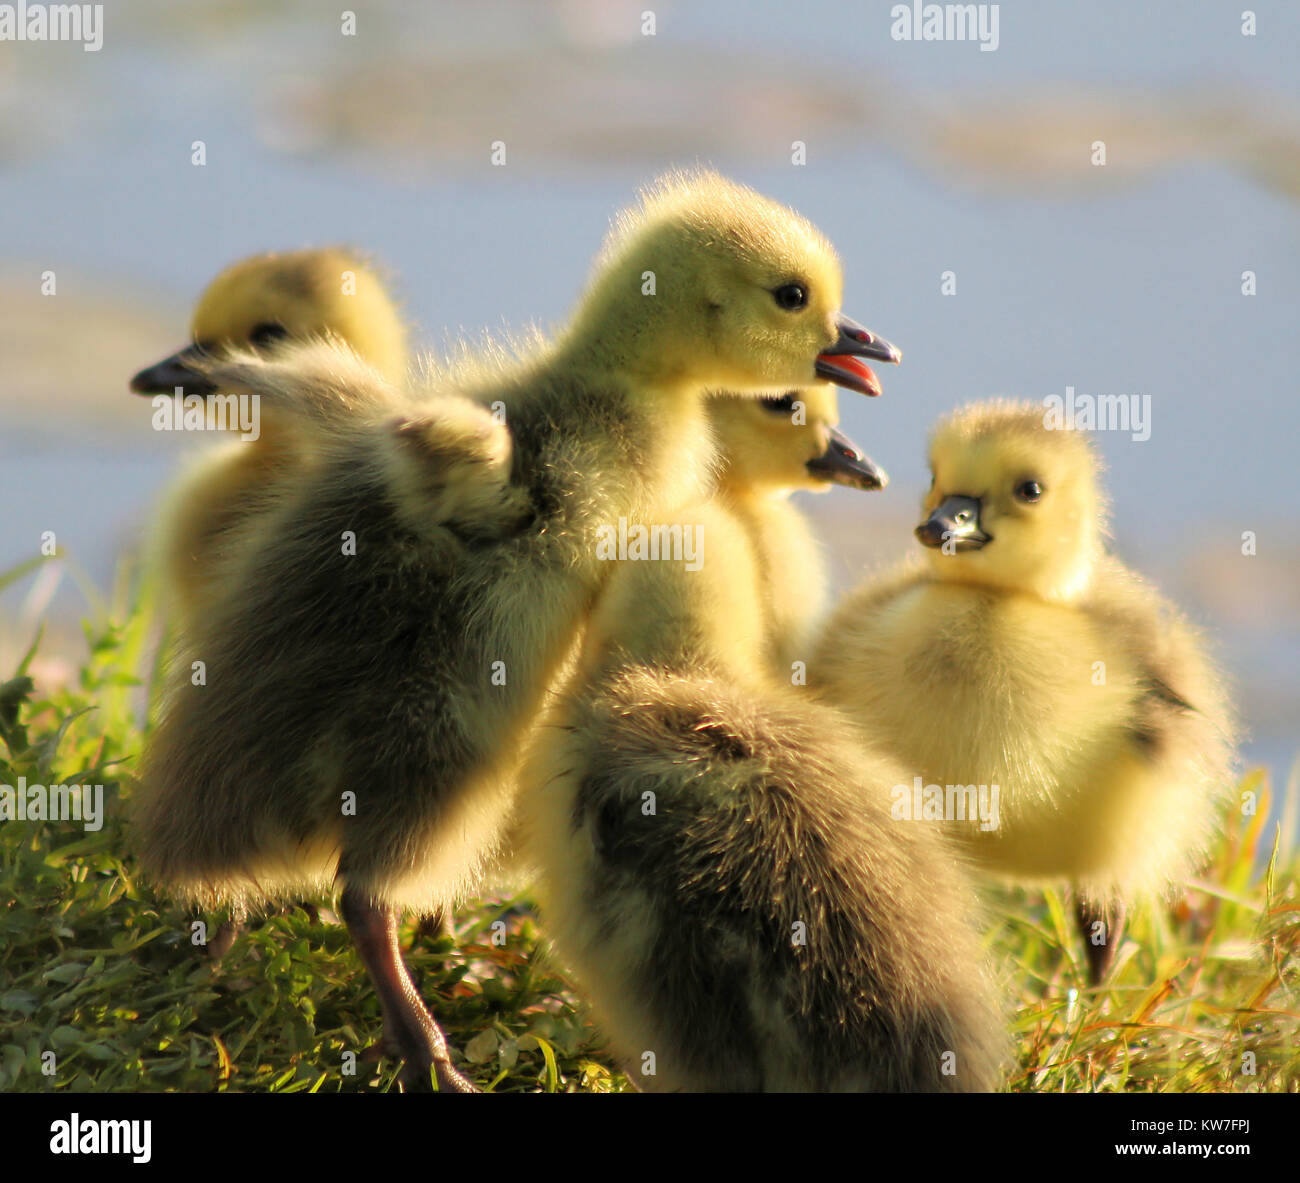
pixel 257 303
pixel 1019 654
pixel 768 449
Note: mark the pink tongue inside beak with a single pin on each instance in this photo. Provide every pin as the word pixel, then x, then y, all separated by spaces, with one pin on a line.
pixel 848 371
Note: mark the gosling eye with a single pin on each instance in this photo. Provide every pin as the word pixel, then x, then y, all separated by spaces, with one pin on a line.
pixel 791 296
pixel 266 332
pixel 1029 490
pixel 780 404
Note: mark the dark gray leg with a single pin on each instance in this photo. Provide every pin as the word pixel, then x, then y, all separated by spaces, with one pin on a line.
pixel 409 1029
pixel 1100 943
pixel 221 942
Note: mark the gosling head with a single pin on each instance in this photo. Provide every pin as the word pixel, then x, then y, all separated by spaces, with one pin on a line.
pixel 779 443
pixel 709 285
pixel 1013 504
pixel 297 295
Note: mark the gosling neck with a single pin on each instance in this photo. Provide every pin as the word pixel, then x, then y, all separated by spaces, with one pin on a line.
pixel 630 336
pixel 748 494
pixel 1060 582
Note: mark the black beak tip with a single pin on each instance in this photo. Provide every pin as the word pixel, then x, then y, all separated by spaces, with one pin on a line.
pixel 932 534
pixel 883 350
pixel 857 340
pixel 867 476
pixel 167 376
pixel 173 373
pixel 844 463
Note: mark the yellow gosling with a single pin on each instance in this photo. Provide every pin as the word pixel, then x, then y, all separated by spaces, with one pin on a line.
pixel 1017 653
pixel 258 303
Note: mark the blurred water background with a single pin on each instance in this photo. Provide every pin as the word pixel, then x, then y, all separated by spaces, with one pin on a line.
pixel 921 158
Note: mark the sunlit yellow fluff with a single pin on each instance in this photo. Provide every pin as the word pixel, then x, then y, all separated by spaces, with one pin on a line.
pixel 1042 665
pixel 763 459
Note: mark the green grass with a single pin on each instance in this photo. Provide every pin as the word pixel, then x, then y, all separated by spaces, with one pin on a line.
pixel 100 972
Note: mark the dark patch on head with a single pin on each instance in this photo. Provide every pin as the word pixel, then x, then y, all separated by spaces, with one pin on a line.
pixel 296 283
pixel 723 742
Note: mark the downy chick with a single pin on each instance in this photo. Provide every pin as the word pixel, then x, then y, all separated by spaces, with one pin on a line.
pixel 372 672
pixel 768 449
pixel 1019 654
pixel 258 303
pixel 717 861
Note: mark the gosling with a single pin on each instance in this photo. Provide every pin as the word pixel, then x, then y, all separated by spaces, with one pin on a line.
pixel 257 303
pixel 768 449
pixel 1020 654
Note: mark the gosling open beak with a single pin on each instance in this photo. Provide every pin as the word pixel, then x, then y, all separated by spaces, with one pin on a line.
pixel 171 372
pixel 842 363
pixel 956 521
pixel 845 463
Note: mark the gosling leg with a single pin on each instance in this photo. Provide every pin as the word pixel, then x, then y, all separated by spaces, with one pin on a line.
pixel 1100 943
pixel 409 1029
pixel 225 936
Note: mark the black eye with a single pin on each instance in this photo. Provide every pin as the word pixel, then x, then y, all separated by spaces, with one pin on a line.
pixel 1029 490
pixel 782 404
pixel 791 296
pixel 266 332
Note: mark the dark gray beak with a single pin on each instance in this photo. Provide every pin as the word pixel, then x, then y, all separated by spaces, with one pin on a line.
pixel 842 363
pixel 174 371
pixel 846 464
pixel 957 522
